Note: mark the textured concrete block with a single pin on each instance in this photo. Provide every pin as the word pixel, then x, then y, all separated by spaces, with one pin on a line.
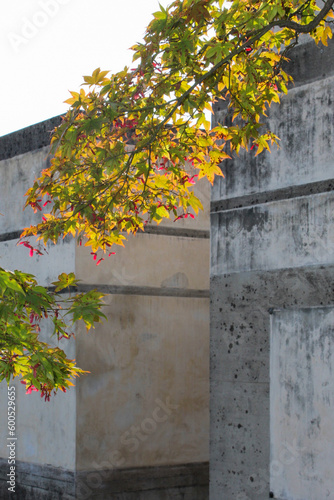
pixel 272 247
pixel 239 369
pixel 28 139
pixel 43 482
pixel 176 482
pixel 240 468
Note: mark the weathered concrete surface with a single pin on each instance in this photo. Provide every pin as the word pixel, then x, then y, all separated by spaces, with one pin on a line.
pixel 281 234
pixel 38 482
pixel 28 139
pixel 149 363
pixel 43 482
pixel 240 332
pixel 272 247
pixel 17 174
pixel 178 482
pixel 301 404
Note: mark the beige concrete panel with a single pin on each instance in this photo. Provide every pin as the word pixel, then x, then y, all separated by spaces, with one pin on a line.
pixel 146 400
pixel 17 175
pixel 59 259
pixel 150 260
pixel 45 430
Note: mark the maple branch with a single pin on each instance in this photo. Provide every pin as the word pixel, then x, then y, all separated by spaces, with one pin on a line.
pixel 307 28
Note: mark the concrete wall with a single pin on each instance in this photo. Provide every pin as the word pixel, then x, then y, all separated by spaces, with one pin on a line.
pixel 272 247
pixel 137 427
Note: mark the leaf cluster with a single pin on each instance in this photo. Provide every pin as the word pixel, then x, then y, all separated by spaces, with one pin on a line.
pixel 132 144
pixel 25 310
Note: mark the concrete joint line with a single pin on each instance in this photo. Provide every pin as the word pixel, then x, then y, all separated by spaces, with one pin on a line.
pixel 246 201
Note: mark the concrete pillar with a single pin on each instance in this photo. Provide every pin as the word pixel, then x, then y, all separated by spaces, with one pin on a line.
pixel 271 248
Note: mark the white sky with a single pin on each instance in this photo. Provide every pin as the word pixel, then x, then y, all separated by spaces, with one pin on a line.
pixel 48 45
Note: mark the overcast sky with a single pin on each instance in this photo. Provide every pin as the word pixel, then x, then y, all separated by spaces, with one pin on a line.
pixel 47 45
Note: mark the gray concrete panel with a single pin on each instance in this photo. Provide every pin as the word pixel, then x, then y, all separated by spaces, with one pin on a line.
pixel 240 467
pixel 288 233
pixel 145 260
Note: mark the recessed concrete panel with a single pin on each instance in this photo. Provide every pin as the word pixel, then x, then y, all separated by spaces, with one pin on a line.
pixel 302 404
pixel 304 122
pixel 145 401
pixel 150 260
pixel 290 233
